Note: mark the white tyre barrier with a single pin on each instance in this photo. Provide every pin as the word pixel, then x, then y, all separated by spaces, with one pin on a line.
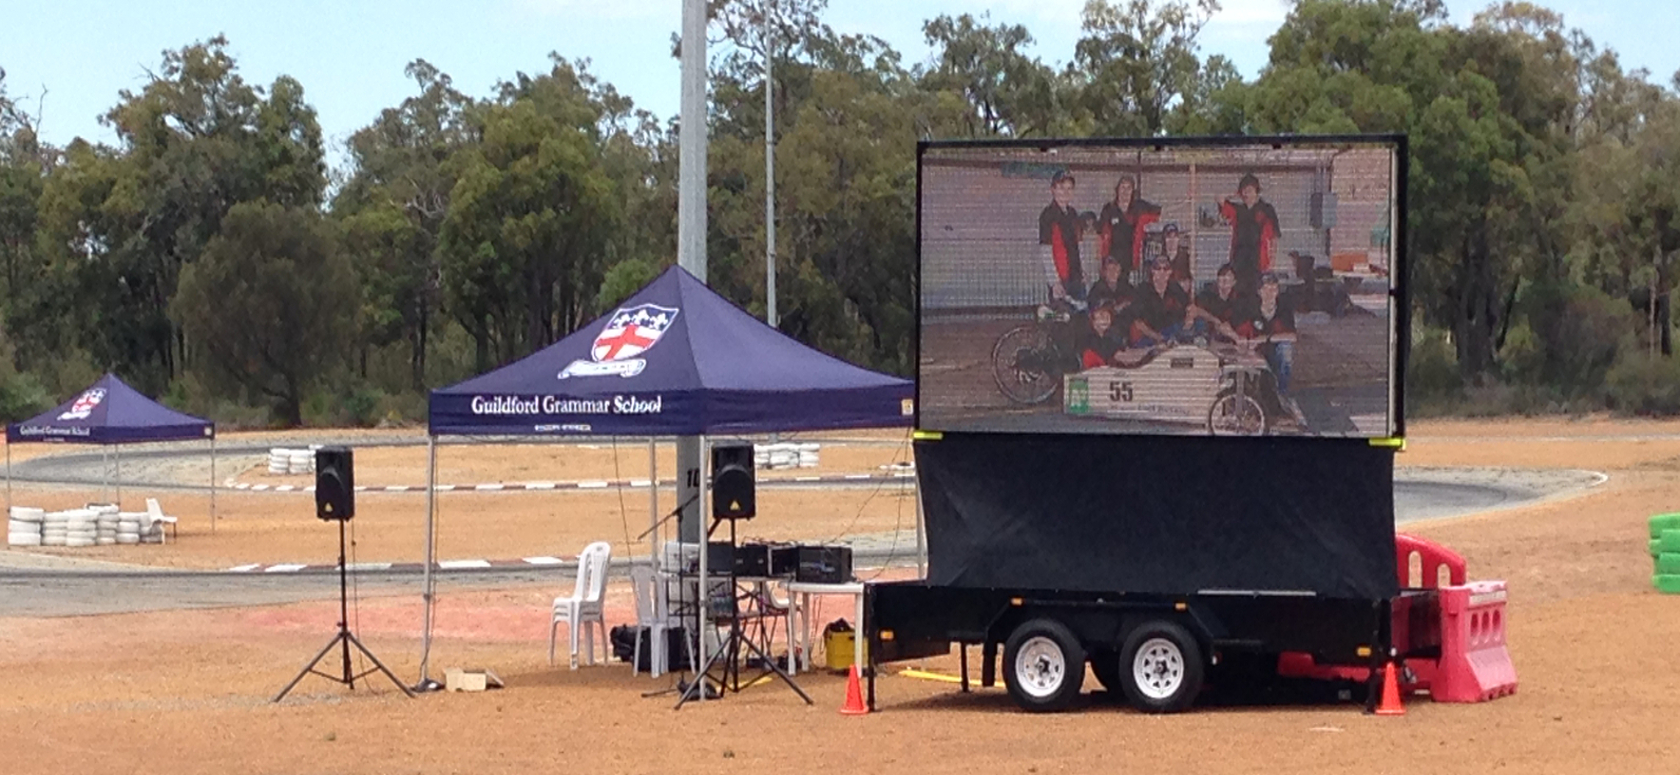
pixel 23 539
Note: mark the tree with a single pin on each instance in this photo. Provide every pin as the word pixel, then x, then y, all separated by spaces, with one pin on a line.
pixel 531 220
pixel 1138 62
pixel 1011 94
pixel 393 206
pixel 193 143
pixel 269 304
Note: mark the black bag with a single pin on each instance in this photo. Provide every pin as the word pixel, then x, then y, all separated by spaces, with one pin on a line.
pixel 624 637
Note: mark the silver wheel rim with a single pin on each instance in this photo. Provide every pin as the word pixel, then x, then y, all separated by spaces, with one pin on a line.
pixel 1040 667
pixel 1237 415
pixel 1158 668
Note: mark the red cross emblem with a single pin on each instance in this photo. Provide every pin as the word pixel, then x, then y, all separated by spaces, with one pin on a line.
pixel 632 331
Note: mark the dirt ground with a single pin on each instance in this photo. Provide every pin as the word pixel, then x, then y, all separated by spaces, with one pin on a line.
pixel 187 691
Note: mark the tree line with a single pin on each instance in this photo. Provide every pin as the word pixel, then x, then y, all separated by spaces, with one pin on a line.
pixel 211 256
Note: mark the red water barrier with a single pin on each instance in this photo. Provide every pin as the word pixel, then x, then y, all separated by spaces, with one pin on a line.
pixel 1475 664
pixel 1432 557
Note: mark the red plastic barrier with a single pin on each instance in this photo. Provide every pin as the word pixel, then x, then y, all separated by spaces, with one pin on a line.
pixel 1475 664
pixel 1432 557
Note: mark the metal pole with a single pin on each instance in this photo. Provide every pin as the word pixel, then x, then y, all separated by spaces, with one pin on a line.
pixel 769 169
pixel 8 479
pixel 704 599
pixel 118 452
pixel 212 484
pixel 691 225
pixel 426 580
pixel 921 534
pixel 653 507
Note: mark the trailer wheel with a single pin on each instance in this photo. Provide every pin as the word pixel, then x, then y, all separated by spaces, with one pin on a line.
pixel 1044 665
pixel 1162 666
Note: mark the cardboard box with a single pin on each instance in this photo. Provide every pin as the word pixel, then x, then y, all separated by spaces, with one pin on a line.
pixel 473 680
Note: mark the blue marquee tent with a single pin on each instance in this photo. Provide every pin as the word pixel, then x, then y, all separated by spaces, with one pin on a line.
pixel 109 412
pixel 676 359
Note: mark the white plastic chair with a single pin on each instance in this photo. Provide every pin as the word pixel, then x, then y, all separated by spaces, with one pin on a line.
pixel 653 612
pixel 156 519
pixel 583 608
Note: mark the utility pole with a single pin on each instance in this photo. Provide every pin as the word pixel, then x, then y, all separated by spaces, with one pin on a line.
pixel 691 230
pixel 769 166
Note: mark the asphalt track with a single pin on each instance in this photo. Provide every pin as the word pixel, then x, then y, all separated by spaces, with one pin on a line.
pixel 35 585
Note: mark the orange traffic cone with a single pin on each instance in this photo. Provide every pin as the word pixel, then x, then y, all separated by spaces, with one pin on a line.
pixel 1391 693
pixel 854 696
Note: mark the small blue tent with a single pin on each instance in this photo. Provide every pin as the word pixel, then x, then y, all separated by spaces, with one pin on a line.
pixel 110 412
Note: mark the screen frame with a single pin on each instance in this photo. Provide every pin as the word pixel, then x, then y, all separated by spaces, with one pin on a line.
pixel 1399 250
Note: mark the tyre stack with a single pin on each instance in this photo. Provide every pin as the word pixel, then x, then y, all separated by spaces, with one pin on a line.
pixel 279 461
pixel 128 527
pixel 81 528
pixel 1665 552
pixel 807 454
pixel 105 520
pixel 23 526
pixel 301 461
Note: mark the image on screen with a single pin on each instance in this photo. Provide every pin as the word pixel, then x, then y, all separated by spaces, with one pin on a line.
pixel 1180 289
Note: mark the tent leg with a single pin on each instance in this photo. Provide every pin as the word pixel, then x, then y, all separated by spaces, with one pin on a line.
pixel 653 501
pixel 426 573
pixel 118 451
pixel 212 484
pixel 8 479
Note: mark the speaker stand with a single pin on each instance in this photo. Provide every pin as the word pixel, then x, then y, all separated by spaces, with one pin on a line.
pixel 728 656
pixel 344 638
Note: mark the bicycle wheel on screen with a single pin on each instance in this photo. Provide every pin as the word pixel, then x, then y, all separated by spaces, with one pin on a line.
pixel 1024 365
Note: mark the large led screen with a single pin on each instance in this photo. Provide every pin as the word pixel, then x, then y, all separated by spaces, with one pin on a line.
pixel 1223 288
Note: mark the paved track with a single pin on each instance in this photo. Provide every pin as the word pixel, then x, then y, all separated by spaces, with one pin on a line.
pixel 35 585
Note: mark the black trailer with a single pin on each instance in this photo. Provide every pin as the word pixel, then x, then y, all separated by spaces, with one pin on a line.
pixel 1170 495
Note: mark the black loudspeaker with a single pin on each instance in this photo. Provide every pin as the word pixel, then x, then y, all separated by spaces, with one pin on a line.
pixel 732 481
pixel 335 484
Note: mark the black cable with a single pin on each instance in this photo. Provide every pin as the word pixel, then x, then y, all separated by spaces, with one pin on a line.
pixel 623 514
pixel 877 491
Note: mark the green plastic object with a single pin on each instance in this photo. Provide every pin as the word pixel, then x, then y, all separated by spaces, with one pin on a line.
pixel 1662 522
pixel 1669 542
pixel 1668 585
pixel 1668 565
pixel 1653 548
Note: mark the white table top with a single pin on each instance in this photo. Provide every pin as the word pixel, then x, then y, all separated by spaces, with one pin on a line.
pixel 815 588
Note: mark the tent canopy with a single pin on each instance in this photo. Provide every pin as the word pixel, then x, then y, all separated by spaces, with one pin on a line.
pixel 110 412
pixel 675 359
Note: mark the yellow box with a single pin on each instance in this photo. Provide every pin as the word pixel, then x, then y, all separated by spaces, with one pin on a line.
pixel 838 648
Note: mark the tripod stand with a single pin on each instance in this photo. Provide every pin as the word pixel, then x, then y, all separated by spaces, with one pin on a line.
pixel 345 638
pixel 728 656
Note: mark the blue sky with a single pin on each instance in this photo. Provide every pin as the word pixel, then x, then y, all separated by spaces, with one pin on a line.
pixel 349 54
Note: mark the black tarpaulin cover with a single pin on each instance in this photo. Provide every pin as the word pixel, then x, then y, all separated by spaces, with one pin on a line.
pixel 1159 514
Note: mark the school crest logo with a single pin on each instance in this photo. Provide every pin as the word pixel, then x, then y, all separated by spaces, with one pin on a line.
pixel 630 332
pixel 84 405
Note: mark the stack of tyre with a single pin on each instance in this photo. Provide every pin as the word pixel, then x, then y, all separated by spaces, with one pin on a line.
pixel 303 461
pixel 129 527
pixel 23 526
pixel 279 461
pixel 73 527
pixel 1665 551
pixel 104 523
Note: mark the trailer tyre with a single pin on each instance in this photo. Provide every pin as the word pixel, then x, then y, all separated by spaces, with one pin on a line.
pixel 1044 665
pixel 1161 667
